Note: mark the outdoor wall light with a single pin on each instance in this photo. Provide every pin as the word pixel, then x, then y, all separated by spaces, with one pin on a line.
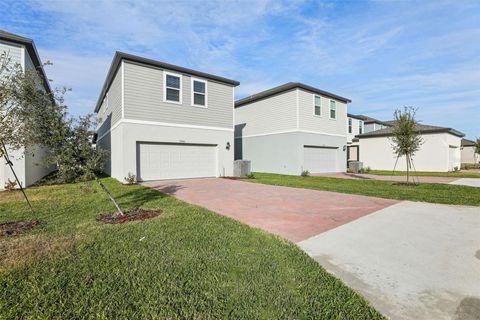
pixel 228 145
pixel 344 147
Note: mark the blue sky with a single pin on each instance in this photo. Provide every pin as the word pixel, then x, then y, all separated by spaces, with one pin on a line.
pixel 381 54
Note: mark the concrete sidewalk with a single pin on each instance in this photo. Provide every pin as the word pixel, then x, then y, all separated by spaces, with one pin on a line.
pixel 366 176
pixel 411 260
pixel 471 182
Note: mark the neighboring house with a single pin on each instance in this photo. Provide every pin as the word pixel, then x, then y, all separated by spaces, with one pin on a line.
pixel 27 163
pixel 440 150
pixel 161 121
pixel 468 152
pixel 292 128
pixel 359 124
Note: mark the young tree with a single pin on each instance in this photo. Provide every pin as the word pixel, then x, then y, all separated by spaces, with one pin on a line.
pixel 406 140
pixel 26 109
pixel 71 150
pixel 477 146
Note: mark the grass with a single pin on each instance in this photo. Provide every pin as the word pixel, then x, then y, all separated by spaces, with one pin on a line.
pixel 187 263
pixel 434 193
pixel 454 174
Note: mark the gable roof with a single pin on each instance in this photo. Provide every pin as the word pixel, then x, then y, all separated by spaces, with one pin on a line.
pixel 468 143
pixel 119 56
pixel 286 87
pixel 32 52
pixel 421 128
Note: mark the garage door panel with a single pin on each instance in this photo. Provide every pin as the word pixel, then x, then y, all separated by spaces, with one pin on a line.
pixel 157 161
pixel 320 159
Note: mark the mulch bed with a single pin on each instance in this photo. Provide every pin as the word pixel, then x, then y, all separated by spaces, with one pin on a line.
pixel 130 215
pixel 14 228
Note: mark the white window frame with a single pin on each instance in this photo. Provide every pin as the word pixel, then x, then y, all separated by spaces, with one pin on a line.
pixel 350 125
pixel 192 93
pixel 165 73
pixel 361 127
pixel 314 105
pixel 330 109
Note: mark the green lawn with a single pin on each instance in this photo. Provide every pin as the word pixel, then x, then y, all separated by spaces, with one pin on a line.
pixel 456 174
pixel 187 263
pixel 435 193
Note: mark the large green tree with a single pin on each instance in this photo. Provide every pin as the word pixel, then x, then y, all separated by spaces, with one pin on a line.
pixel 406 139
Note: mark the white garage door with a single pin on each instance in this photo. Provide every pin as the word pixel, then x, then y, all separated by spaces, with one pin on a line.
pixel 158 161
pixel 320 159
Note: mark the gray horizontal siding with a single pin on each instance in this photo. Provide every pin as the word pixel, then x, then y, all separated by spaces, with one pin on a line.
pixel 143 98
pixel 273 114
pixel 108 116
pixel 14 51
pixel 323 123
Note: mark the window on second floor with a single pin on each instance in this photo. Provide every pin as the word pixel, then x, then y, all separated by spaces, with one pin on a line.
pixel 360 127
pixel 173 88
pixel 349 125
pixel 199 93
pixel 317 106
pixel 333 109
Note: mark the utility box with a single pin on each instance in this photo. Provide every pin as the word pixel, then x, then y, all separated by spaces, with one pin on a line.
pixel 241 168
pixel 355 166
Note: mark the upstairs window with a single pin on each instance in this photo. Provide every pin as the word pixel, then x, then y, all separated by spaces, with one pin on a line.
pixel 349 125
pixel 360 127
pixel 317 106
pixel 333 109
pixel 199 93
pixel 173 88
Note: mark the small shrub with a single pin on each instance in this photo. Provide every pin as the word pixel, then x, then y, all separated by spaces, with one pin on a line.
pixel 305 173
pixel 468 166
pixel 10 185
pixel 131 178
pixel 251 175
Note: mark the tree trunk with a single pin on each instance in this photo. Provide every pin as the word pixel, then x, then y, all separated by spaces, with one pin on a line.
pixel 408 168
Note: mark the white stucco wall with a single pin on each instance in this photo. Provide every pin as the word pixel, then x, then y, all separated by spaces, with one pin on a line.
pixel 468 155
pixel 122 145
pixel 283 153
pixel 377 153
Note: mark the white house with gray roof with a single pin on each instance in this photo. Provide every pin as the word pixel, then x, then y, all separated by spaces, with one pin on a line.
pixel 440 151
pixel 161 121
pixel 292 128
pixel 27 163
pixel 359 124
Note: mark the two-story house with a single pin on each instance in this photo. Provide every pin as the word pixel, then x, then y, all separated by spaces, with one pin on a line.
pixel 292 128
pixel 161 121
pixel 356 125
pixel 27 163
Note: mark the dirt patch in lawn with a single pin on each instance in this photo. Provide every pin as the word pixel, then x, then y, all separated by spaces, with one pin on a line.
pixel 9 229
pixel 17 252
pixel 130 215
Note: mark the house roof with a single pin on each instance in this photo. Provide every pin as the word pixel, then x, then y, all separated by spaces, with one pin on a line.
pixel 286 87
pixel 119 56
pixel 421 128
pixel 32 52
pixel 367 119
pixel 468 143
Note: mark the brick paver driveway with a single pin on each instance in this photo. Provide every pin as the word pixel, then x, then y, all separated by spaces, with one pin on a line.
pixel 295 214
